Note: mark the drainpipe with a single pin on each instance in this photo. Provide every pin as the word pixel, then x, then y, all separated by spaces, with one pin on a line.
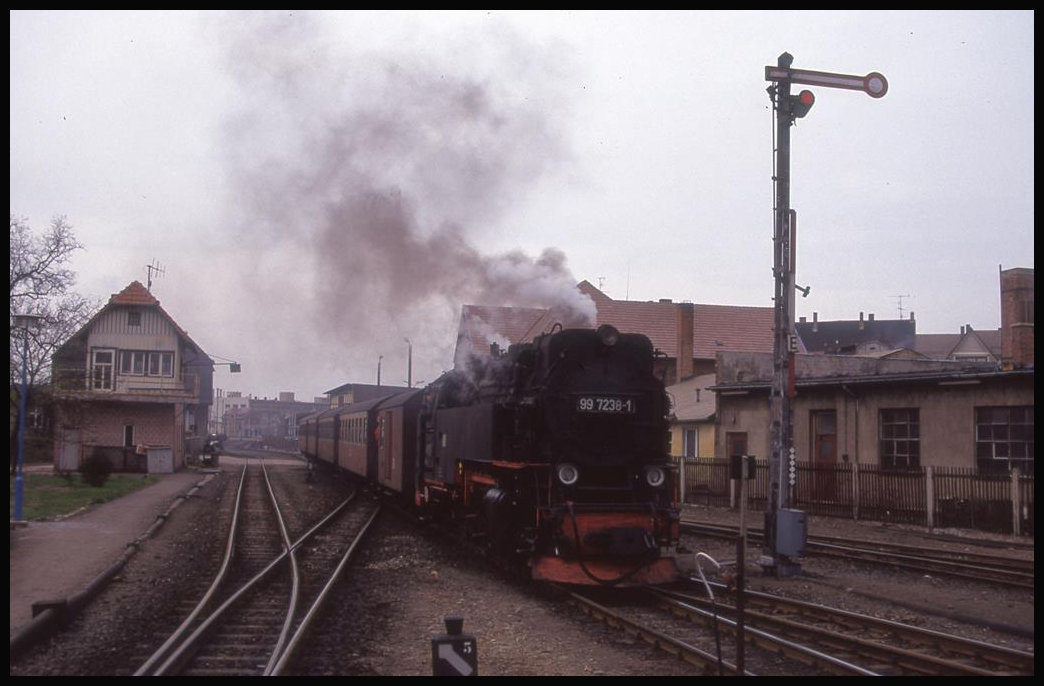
pixel 855 452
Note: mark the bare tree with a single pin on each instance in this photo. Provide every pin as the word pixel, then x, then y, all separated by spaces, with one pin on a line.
pixel 41 284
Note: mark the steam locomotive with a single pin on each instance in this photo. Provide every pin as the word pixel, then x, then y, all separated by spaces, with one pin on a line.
pixel 553 454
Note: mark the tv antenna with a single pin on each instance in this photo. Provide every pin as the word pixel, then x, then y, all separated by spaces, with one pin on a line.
pixel 899 298
pixel 154 268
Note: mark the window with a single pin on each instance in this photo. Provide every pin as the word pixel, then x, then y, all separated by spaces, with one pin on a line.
pixel 144 363
pixel 689 442
pixel 102 363
pixel 134 318
pixel 132 362
pixel 1024 311
pixel 900 438
pixel 1004 438
pixel 735 443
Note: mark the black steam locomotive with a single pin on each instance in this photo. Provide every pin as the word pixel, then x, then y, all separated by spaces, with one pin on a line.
pixel 553 454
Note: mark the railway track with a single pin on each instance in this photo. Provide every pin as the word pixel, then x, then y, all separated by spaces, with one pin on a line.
pixel 995 569
pixel 793 638
pixel 268 590
pixel 876 645
pixel 707 645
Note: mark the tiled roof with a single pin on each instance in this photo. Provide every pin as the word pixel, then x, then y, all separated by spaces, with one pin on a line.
pixel 657 320
pixel 134 294
pixel 731 328
pixel 846 335
pixel 693 399
pixel 941 346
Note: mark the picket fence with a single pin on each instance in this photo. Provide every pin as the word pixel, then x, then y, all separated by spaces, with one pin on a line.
pixel 933 497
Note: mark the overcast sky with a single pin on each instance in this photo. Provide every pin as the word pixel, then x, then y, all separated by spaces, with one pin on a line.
pixel 319 187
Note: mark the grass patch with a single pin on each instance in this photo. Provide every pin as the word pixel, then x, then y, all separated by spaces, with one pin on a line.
pixel 49 496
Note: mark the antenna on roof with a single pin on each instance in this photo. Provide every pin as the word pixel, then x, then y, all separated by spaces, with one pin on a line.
pixel 151 269
pixel 900 299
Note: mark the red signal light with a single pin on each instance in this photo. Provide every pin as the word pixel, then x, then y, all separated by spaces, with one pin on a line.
pixel 801 103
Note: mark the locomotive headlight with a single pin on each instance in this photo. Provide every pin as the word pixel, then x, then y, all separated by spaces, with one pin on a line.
pixel 655 476
pixel 567 473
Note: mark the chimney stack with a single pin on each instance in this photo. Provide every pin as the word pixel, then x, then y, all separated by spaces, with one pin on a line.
pixel 685 322
pixel 1016 290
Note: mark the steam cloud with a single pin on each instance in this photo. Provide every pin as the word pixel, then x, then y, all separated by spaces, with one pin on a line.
pixel 361 183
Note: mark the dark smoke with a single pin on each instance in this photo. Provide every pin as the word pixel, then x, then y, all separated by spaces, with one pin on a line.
pixel 363 182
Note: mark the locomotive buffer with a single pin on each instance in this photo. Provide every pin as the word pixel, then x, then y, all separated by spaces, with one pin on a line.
pixel 785 528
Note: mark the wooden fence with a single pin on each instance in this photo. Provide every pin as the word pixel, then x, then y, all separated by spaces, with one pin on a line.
pixel 933 497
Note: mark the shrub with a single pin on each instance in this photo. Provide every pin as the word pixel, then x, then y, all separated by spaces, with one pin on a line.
pixel 96 470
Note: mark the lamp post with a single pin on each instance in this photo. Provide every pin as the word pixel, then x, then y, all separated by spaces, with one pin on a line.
pixel 409 365
pixel 379 358
pixel 23 322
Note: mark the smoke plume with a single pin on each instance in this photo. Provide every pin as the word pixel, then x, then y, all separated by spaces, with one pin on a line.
pixel 362 183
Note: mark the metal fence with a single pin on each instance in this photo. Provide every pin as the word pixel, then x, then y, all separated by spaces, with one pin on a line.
pixel 928 496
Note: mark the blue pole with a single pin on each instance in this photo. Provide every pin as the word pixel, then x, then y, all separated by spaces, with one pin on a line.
pixel 19 480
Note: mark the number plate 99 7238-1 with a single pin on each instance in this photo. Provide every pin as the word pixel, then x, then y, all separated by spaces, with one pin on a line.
pixel 602 404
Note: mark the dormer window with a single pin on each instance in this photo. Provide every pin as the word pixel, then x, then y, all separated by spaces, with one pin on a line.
pixel 134 318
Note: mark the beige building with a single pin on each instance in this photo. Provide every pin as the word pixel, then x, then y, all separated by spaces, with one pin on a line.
pixel 897 413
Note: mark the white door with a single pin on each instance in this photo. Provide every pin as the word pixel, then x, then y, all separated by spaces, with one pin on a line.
pixel 69 451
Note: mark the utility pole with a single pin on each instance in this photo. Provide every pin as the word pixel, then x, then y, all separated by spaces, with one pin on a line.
pixel 409 364
pixel 785 528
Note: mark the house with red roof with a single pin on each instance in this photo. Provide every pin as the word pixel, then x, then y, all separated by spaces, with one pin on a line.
pixel 131 385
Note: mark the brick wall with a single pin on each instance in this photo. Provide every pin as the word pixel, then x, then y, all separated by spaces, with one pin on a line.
pixel 102 424
pixel 1016 286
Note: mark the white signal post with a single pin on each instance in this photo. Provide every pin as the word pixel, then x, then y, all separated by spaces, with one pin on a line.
pixel 873 84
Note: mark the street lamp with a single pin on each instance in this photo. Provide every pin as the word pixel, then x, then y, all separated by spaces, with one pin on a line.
pixel 25 322
pixel 409 365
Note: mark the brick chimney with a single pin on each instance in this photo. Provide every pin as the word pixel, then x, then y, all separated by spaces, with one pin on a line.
pixel 684 323
pixel 1016 289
